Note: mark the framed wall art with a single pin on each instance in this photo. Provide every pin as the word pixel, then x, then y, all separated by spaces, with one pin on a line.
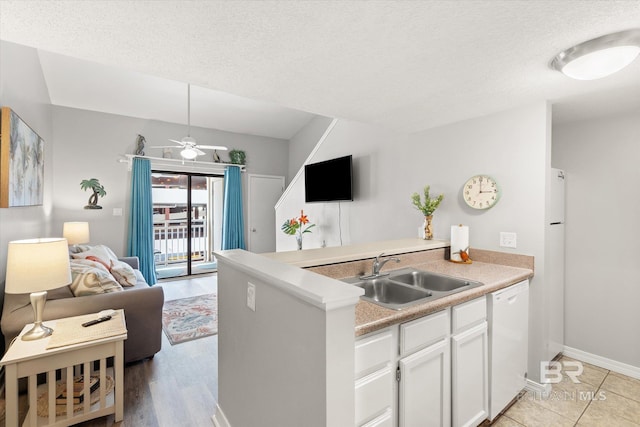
pixel 21 162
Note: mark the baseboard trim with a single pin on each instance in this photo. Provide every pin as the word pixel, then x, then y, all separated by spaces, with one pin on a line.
pixel 218 418
pixel 537 388
pixel 603 362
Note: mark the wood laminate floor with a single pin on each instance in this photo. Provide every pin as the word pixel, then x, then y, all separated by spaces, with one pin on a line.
pixel 179 386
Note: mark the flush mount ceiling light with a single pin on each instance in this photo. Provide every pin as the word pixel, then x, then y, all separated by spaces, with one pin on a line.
pixel 599 57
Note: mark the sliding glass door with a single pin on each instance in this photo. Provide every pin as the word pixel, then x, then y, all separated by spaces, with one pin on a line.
pixel 186 224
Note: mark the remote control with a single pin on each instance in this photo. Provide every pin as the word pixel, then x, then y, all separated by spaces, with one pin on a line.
pixel 94 322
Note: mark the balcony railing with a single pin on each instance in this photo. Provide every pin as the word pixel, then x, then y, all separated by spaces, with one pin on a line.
pixel 170 243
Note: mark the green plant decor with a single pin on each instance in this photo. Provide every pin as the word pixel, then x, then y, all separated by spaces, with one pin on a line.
pixel 293 227
pixel 430 205
pixel 97 191
pixel 237 157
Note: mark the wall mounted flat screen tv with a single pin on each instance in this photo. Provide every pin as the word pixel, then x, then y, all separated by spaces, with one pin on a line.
pixel 329 181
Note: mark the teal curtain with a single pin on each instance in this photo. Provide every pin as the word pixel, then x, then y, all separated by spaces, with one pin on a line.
pixel 232 217
pixel 140 241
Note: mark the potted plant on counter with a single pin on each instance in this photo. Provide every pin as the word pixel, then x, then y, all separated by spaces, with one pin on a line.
pixel 293 227
pixel 427 208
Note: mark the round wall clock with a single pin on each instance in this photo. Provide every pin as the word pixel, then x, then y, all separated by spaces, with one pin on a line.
pixel 481 192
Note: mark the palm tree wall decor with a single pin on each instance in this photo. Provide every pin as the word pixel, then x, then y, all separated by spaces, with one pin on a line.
pixel 98 191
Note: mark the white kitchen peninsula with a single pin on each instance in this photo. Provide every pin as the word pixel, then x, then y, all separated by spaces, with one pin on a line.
pixel 291 361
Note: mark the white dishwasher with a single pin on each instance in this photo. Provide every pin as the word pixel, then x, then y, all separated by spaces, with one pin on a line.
pixel 508 312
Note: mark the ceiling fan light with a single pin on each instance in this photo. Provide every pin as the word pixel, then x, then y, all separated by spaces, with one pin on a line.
pixel 599 57
pixel 189 153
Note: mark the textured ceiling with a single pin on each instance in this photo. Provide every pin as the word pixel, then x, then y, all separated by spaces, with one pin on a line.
pixel 406 65
pixel 90 86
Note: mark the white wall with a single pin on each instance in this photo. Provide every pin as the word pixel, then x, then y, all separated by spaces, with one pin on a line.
pixel 509 146
pixel 514 148
pixel 303 142
pixel 23 89
pixel 600 158
pixel 89 145
pixel 388 167
pixel 370 217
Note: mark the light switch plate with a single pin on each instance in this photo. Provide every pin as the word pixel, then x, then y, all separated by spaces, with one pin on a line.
pixel 251 296
pixel 508 240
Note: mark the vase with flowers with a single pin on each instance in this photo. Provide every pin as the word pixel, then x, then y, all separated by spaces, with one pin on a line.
pixel 427 208
pixel 295 227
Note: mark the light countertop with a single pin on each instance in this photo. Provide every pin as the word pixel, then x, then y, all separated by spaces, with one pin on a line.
pixel 496 270
pixel 338 254
pixel 320 291
pixel 372 317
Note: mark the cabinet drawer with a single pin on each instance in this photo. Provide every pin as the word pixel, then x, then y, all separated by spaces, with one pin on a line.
pixel 422 332
pixel 383 420
pixel 373 352
pixel 468 314
pixel 374 395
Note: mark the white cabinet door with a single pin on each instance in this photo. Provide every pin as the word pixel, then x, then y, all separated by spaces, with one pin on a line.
pixel 470 379
pixel 374 395
pixel 425 387
pixel 374 351
pixel 384 420
pixel 375 375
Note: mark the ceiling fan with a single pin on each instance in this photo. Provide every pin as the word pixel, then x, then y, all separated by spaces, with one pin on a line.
pixel 190 149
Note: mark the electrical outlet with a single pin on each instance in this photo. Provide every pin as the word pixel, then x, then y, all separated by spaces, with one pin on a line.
pixel 508 240
pixel 251 296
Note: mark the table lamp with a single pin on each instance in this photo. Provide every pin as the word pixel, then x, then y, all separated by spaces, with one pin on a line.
pixel 35 266
pixel 76 233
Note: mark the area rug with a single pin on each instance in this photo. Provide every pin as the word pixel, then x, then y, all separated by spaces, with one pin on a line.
pixel 190 318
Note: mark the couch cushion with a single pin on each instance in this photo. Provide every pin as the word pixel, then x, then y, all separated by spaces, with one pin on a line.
pixel 140 278
pixel 90 277
pixel 96 259
pixel 102 252
pixel 88 263
pixel 124 273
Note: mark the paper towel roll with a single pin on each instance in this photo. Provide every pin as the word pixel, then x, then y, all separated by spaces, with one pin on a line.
pixel 459 241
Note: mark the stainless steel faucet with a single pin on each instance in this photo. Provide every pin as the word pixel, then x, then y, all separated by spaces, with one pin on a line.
pixel 378 263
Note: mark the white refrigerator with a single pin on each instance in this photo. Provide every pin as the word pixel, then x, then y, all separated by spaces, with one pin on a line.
pixel 555 264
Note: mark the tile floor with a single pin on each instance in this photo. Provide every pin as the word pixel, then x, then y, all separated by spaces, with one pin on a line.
pixel 601 398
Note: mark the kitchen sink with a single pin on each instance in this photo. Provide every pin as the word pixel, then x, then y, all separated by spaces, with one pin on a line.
pixel 433 281
pixel 408 286
pixel 391 294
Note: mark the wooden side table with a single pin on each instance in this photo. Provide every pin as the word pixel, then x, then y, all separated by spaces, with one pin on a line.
pixel 30 358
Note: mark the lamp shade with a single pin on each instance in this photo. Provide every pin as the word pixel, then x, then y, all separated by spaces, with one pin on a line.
pixel 36 265
pixel 76 232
